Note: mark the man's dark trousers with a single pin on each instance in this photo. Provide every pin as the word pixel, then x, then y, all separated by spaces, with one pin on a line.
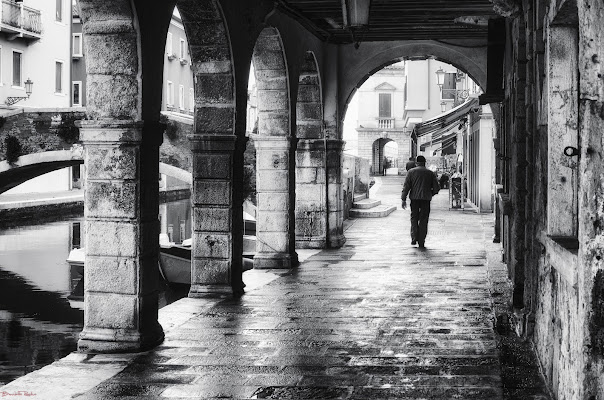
pixel 420 212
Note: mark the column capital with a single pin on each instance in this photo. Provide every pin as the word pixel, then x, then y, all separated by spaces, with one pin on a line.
pixel 110 131
pixel 212 143
pixel 335 144
pixel 273 142
pixel 311 144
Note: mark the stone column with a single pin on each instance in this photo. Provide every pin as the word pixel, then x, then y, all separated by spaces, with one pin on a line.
pixel 274 225
pixel 311 193
pixel 122 238
pixel 335 202
pixel 212 216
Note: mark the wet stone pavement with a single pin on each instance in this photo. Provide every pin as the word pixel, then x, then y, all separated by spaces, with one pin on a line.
pixel 376 319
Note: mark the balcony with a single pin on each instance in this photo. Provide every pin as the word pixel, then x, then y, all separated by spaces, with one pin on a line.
pixel 385 123
pixel 20 21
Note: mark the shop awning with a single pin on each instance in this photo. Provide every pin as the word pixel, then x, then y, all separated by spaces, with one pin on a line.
pixel 451 135
pixel 445 122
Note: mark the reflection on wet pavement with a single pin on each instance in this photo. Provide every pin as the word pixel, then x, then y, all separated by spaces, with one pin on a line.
pixel 376 319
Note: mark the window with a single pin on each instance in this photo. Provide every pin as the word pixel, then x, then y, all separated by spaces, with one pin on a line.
pixel 182 49
pixel 181 97
pixel 449 86
pixel 77 44
pixel 76 90
pixel 169 44
pixel 191 99
pixel 385 105
pixel 58 77
pixel 170 94
pixel 59 13
pixel 17 56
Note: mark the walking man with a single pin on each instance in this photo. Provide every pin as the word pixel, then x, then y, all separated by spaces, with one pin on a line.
pixel 420 184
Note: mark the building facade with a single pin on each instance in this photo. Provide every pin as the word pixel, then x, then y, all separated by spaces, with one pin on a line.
pixel 78 61
pixel 381 105
pixel 178 94
pixel 35 46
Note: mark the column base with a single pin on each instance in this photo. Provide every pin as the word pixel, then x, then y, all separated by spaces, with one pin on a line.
pixel 104 340
pixel 275 261
pixel 198 290
pixel 337 241
pixel 311 243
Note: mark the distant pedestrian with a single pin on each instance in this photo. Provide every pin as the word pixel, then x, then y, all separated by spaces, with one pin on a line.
pixel 410 164
pixel 420 184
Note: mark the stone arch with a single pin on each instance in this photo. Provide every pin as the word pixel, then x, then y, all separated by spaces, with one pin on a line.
pixel 469 57
pixel 217 219
pixel 272 83
pixel 212 65
pixel 111 42
pixel 275 238
pixel 378 153
pixel 311 192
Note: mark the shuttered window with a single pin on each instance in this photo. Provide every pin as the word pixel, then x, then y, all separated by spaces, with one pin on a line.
pixel 385 105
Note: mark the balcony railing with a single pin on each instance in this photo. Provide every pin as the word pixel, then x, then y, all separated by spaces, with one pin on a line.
pixel 385 123
pixel 20 20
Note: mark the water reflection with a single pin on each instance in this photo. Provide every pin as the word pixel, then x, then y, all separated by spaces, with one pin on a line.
pixel 40 318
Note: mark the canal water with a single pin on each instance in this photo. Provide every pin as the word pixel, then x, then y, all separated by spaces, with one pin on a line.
pixel 38 322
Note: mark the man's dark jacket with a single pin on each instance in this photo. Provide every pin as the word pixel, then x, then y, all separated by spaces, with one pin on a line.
pixel 422 183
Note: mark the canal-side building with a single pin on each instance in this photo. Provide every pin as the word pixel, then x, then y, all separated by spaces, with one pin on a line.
pixel 78 61
pixel 35 47
pixel 36 57
pixel 178 94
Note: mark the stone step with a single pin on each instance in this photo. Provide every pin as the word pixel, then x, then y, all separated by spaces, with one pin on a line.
pixel 375 212
pixel 366 203
pixel 359 196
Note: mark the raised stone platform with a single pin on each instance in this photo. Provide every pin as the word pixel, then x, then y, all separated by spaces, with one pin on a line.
pixel 375 212
pixel 366 203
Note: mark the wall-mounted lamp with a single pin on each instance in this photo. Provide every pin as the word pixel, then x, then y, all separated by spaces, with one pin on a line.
pixel 28 88
pixel 440 77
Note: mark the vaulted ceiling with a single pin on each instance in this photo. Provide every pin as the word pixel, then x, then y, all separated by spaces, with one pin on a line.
pixel 395 19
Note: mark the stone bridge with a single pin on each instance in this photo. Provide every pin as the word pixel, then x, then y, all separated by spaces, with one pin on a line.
pixel 32 165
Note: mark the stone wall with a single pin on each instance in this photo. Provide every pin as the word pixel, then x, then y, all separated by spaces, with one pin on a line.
pixel 40 130
pixel 555 243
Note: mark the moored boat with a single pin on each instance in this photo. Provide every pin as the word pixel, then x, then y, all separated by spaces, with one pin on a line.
pixel 174 262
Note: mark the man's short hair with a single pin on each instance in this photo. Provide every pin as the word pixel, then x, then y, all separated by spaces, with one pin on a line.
pixel 411 159
pixel 421 159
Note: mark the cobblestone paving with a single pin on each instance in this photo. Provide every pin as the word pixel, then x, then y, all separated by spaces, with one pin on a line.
pixel 377 319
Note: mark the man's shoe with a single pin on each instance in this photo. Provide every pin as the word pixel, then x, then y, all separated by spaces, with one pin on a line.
pixel 413 242
pixel 421 246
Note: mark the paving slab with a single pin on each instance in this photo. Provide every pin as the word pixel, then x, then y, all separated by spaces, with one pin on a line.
pixel 377 319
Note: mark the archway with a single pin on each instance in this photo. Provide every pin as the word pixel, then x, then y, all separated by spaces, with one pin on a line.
pixel 275 239
pixel 384 157
pixel 311 190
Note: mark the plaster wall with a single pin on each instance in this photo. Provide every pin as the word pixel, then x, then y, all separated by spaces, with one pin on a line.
pixel 177 70
pixel 39 57
pixel 78 65
pixel 390 80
